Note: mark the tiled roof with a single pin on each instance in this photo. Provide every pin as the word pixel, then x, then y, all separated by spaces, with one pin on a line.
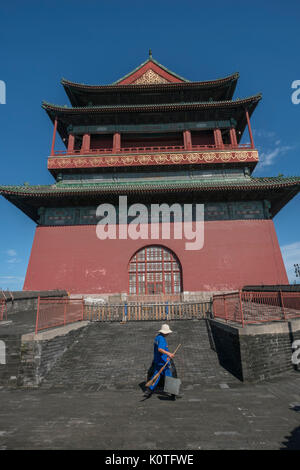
pixel 61 189
pixel 114 86
pixel 150 107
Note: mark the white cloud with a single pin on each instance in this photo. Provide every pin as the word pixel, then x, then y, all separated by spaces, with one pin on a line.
pixel 11 252
pixel 263 133
pixel 270 147
pixel 12 256
pixel 267 158
pixel 291 256
pixel 13 260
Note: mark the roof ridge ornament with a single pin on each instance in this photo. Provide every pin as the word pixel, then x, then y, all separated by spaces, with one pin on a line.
pixel 150 54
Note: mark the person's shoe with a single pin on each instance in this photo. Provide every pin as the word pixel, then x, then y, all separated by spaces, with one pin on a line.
pixel 148 393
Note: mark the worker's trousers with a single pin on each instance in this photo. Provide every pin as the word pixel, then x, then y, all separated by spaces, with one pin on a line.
pixel 166 372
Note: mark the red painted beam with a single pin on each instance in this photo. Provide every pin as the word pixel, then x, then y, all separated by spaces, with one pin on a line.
pixel 53 137
pixel 249 129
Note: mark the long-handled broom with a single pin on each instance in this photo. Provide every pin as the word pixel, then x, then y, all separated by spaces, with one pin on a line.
pixel 153 380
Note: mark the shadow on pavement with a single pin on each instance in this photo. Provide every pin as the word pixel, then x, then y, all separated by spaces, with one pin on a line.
pixel 293 440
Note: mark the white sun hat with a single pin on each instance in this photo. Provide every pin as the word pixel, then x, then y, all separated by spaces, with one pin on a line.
pixel 165 329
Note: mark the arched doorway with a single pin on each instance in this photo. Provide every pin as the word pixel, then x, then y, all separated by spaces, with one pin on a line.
pixel 154 270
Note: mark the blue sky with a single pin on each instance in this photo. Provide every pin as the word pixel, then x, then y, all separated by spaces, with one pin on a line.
pixel 100 41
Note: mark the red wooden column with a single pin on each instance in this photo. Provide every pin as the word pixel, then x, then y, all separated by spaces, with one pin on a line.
pixel 71 143
pixel 116 142
pixel 218 138
pixel 187 140
pixel 53 138
pixel 85 147
pixel 233 139
pixel 249 129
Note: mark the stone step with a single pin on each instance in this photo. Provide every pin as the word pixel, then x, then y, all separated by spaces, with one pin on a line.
pixel 115 356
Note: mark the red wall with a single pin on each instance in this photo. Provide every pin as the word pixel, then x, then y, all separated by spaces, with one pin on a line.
pixel 235 253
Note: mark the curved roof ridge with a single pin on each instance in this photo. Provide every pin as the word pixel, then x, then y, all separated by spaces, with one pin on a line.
pixel 231 77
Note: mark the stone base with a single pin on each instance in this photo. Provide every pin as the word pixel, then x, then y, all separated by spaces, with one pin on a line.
pixel 255 352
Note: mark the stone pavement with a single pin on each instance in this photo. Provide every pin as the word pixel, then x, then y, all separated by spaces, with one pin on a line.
pixel 218 416
pixel 93 399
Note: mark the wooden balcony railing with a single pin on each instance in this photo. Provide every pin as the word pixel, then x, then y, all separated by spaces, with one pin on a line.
pixel 139 150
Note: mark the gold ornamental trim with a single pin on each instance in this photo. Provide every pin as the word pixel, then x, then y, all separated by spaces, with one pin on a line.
pixel 209 157
pixel 145 159
pixel 128 160
pixel 110 160
pixel 193 157
pixel 154 159
pixel 161 159
pixel 177 158
pixel 225 157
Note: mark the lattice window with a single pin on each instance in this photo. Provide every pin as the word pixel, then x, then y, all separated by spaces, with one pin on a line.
pixel 154 270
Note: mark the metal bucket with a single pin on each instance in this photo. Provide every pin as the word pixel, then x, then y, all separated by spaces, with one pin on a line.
pixel 172 385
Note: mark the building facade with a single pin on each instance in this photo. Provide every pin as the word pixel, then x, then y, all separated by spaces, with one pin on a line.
pixel 153 138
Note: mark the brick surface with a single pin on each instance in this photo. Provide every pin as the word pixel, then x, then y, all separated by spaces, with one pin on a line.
pixel 112 355
pixel 260 416
pixel 92 398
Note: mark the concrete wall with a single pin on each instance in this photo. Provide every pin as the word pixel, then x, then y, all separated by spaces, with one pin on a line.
pixel 40 352
pixel 235 253
pixel 22 301
pixel 9 371
pixel 256 352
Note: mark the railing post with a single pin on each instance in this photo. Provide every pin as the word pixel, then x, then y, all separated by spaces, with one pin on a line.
pixel 225 308
pixel 241 307
pixel 213 307
pixel 116 142
pixel 233 139
pixel 3 309
pixel 82 307
pixel 218 138
pixel 53 137
pixel 249 129
pixel 167 309
pixel 65 309
pixel 187 139
pixel 86 143
pixel 282 304
pixel 37 315
pixel 71 143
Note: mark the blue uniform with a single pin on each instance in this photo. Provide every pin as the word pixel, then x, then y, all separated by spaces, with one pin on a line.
pixel 160 359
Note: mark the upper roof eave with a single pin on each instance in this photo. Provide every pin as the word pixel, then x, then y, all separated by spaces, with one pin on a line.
pixel 114 86
pixel 77 188
pixel 29 198
pixel 152 107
